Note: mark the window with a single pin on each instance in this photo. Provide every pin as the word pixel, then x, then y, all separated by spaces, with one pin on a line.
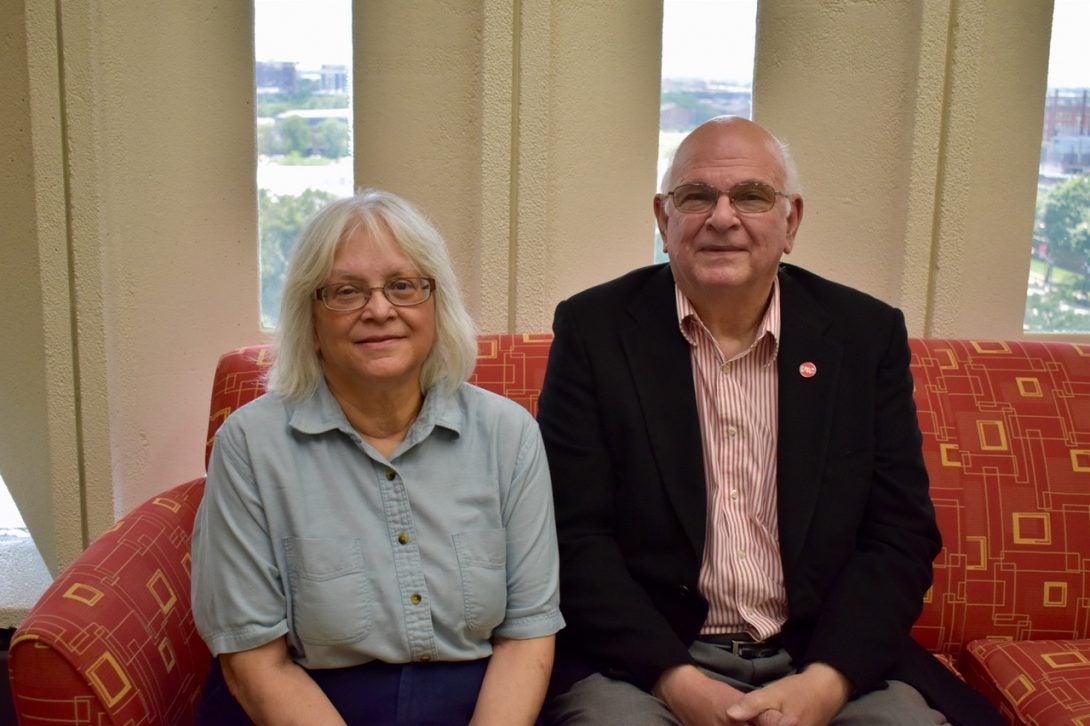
pixel 1058 291
pixel 23 574
pixel 302 69
pixel 707 70
pixel 11 522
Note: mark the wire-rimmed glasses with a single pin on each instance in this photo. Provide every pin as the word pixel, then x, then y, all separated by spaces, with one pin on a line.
pixel 748 197
pixel 402 292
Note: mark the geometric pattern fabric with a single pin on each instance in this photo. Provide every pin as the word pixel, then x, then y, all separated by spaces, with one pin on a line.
pixel 112 640
pixel 1033 681
pixel 1006 432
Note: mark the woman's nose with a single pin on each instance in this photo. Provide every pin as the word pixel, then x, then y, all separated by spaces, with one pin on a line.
pixel 377 306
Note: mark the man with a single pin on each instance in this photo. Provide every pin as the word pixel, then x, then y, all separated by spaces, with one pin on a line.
pixel 745 528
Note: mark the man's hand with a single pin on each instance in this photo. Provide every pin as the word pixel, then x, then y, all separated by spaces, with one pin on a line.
pixel 810 698
pixel 698 700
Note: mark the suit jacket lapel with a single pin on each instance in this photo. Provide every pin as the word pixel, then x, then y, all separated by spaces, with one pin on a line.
pixel 806 408
pixel 659 359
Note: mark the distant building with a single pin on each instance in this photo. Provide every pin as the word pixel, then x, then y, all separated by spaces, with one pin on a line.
pixel 276 77
pixel 1070 154
pixel 334 79
pixel 1067 111
pixel 1065 143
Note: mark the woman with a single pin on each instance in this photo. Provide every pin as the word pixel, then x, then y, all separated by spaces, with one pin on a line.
pixel 376 542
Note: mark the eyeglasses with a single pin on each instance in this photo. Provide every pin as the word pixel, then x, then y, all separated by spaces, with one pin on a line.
pixel 402 292
pixel 748 197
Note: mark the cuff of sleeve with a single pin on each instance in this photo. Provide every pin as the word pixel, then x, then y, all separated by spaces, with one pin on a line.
pixel 246 638
pixel 531 626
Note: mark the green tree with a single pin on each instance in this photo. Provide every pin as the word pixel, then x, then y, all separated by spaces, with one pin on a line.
pixel 268 141
pixel 1050 312
pixel 280 220
pixel 271 105
pixel 294 132
pixel 331 138
pixel 1064 225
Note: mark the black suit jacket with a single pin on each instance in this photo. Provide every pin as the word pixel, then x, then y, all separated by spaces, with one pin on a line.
pixel 857 528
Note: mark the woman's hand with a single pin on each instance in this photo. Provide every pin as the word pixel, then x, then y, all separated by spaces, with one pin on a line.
pixel 273 689
pixel 515 682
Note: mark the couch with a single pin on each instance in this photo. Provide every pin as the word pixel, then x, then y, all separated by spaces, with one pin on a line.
pixel 1006 427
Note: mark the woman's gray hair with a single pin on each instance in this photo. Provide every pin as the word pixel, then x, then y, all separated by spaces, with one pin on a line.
pixel 296 368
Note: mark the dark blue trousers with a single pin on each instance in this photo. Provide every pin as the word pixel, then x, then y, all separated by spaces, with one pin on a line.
pixel 383 694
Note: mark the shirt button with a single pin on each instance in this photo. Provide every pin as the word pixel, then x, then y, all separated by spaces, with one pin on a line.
pixel 425 658
pixel 415 598
pixel 732 431
pixel 390 474
pixel 403 538
pixel 741 553
pixel 726 367
pixel 734 495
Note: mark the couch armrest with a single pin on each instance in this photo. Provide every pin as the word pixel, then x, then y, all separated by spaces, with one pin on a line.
pixel 112 640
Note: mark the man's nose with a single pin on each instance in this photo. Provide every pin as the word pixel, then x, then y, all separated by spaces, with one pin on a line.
pixel 723 214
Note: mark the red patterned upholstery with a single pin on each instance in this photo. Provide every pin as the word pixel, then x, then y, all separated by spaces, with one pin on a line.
pixel 1006 430
pixel 239 379
pixel 513 366
pixel 1033 681
pixel 112 640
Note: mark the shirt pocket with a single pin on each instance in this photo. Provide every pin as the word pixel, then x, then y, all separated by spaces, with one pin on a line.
pixel 331 594
pixel 482 563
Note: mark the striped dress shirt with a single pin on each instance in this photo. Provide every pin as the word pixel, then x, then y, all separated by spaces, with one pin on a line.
pixel 741 575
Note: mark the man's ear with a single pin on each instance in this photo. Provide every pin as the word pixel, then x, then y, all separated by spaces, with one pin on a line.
pixel 794 219
pixel 661 217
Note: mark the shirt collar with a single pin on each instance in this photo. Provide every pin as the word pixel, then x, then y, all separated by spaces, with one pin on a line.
pixel 691 325
pixel 320 412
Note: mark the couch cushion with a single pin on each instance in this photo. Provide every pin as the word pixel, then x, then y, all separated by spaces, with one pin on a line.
pixel 1032 681
pixel 1006 440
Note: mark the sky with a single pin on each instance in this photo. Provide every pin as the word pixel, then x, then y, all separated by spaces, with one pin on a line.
pixel 710 39
pixel 1069 57
pixel 308 32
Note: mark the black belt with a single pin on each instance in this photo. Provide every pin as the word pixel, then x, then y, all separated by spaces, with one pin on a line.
pixel 744 646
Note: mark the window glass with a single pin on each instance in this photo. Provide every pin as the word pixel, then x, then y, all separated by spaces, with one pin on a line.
pixel 11 522
pixel 707 70
pixel 1058 292
pixel 23 574
pixel 303 109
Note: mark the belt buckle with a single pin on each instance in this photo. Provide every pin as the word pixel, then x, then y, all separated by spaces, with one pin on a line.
pixel 741 648
pixel 750 649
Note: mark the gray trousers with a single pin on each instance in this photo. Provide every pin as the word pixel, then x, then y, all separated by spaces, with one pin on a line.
pixel 601 701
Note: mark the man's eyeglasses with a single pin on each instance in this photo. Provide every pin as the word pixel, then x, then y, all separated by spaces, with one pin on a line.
pixel 402 292
pixel 748 197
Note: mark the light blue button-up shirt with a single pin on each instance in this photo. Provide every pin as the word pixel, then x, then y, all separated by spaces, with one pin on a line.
pixel 307 530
